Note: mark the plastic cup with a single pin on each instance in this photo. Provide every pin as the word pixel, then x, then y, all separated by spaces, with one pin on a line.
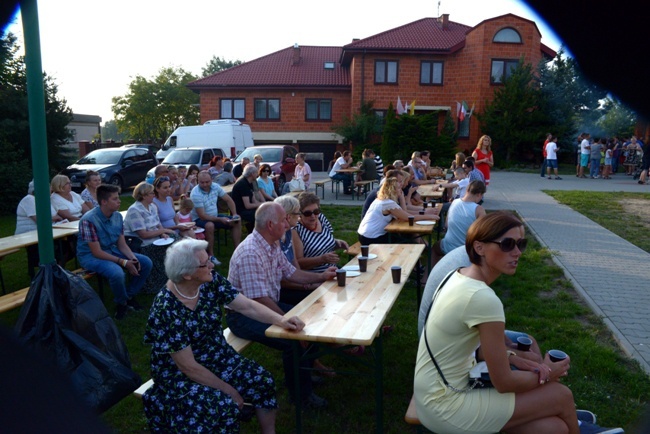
pixel 396 271
pixel 557 355
pixel 524 343
pixel 363 263
pixel 365 250
pixel 411 220
pixel 424 205
pixel 340 276
pixel 422 212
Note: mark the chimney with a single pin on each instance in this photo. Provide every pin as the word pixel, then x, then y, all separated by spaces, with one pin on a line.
pixel 296 54
pixel 444 19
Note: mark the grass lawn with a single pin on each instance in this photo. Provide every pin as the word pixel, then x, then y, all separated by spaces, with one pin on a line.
pixel 538 300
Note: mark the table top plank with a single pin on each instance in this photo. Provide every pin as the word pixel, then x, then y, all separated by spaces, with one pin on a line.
pixel 398 226
pixel 353 314
pixel 428 190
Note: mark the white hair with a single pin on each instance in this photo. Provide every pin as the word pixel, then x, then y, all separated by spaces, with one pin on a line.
pixel 249 170
pixel 180 258
pixel 289 203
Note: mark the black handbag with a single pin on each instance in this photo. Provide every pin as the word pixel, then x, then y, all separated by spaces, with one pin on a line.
pixel 134 243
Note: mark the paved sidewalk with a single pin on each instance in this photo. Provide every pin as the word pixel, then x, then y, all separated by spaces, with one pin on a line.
pixel 610 273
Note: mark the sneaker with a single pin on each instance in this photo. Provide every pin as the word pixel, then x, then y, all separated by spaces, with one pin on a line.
pixel 215 261
pixel 592 428
pixel 586 416
pixel 133 304
pixel 314 401
pixel 549 177
pixel 120 311
pixel 557 177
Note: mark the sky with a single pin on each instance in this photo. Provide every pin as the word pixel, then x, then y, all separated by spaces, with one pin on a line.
pixel 94 49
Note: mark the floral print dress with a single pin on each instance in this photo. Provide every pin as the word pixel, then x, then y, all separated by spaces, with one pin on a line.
pixel 177 404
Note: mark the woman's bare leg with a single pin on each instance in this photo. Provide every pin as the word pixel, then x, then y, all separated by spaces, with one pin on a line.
pixel 556 416
pixel 266 418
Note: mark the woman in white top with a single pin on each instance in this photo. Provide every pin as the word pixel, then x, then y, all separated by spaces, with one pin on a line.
pixel 26 212
pixel 467 313
pixel 389 205
pixel 68 204
pixel 303 171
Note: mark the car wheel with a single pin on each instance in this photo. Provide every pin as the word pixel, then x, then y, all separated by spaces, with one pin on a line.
pixel 117 181
pixel 281 181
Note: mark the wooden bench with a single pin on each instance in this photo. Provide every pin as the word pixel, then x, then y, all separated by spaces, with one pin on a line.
pixel 239 344
pixel 17 298
pixel 321 184
pixel 363 187
pixel 354 250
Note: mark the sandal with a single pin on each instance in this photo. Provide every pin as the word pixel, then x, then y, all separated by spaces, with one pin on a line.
pixel 356 351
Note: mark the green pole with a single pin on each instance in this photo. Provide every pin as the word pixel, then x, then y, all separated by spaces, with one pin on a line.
pixel 37 129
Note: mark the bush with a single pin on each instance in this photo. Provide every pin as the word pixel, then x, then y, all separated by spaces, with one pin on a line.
pixel 15 169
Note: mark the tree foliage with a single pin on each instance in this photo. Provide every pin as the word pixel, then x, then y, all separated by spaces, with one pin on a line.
pixel 15 142
pixel 110 132
pixel 154 108
pixel 517 116
pixel 618 120
pixel 408 133
pixel 361 130
pixel 217 64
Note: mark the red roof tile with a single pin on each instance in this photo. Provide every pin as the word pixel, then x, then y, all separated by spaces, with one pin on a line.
pixel 278 70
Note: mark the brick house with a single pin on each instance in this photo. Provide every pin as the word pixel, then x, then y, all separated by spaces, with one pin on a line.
pixel 296 95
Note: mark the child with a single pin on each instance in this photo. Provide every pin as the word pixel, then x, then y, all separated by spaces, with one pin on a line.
pixel 183 215
pixel 608 162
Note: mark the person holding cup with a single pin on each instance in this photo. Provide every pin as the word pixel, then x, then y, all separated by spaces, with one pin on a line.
pixel 466 313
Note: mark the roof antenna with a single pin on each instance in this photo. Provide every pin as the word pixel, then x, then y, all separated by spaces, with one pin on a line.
pixel 439 7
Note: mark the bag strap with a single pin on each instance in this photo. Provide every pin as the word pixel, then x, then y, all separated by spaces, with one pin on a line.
pixel 426 341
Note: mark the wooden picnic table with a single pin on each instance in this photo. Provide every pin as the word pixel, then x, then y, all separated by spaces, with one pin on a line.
pixel 30 238
pixel 429 190
pixel 401 227
pixel 353 314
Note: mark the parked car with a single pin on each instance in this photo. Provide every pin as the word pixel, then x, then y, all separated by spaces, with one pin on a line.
pixel 281 158
pixel 124 167
pixel 188 156
pixel 152 148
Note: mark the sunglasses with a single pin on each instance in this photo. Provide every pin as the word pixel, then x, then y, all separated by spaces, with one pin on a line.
pixel 508 244
pixel 267 171
pixel 309 213
pixel 161 179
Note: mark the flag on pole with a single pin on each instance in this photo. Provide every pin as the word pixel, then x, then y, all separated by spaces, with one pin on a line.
pixel 400 108
pixel 412 110
pixel 472 110
pixel 462 110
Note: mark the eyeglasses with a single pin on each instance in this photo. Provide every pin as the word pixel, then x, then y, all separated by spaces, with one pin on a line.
pixel 309 213
pixel 208 262
pixel 267 171
pixel 161 179
pixel 508 244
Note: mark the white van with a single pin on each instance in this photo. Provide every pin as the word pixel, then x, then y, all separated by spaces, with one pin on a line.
pixel 229 135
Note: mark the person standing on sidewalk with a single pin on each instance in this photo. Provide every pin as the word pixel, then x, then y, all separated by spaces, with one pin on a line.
pixel 544 164
pixel 584 154
pixel 551 157
pixel 595 148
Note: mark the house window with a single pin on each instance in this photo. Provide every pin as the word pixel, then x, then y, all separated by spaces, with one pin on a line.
pixel 233 108
pixel 502 69
pixel 507 35
pixel 463 128
pixel 267 109
pixel 430 72
pixel 386 71
pixel 318 109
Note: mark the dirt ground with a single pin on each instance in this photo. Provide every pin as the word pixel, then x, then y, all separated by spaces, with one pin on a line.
pixel 639 208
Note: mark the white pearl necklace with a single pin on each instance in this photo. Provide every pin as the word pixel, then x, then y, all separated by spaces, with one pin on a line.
pixel 198 291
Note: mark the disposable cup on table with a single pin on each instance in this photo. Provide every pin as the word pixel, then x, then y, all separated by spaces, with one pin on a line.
pixel 411 220
pixel 396 272
pixel 340 276
pixel 365 250
pixel 363 263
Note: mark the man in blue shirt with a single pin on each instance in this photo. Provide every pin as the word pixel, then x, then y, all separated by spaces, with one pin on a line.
pixel 102 248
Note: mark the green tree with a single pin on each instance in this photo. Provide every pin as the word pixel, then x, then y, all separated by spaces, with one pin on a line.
pixel 217 64
pixel 110 132
pixel 445 144
pixel 618 120
pixel 154 108
pixel 516 118
pixel 361 130
pixel 408 133
pixel 14 120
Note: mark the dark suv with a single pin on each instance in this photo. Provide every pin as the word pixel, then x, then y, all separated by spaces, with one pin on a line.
pixel 281 158
pixel 124 167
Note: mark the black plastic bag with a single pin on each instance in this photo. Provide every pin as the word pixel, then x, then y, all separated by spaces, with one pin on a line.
pixel 64 319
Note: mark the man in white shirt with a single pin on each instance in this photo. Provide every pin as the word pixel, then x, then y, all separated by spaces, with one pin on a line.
pixel 551 157
pixel 343 162
pixel 585 151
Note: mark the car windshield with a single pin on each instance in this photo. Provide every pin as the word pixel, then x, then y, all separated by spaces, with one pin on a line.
pixel 102 156
pixel 183 156
pixel 269 155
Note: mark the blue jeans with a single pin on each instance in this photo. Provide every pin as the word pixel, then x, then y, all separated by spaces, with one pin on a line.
pixel 347 180
pixel 543 174
pixel 595 167
pixel 248 328
pixel 116 277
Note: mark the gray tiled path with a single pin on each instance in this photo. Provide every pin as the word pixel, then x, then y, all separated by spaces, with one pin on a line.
pixel 610 273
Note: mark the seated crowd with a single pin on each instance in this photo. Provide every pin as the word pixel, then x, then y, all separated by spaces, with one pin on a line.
pixel 202 384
